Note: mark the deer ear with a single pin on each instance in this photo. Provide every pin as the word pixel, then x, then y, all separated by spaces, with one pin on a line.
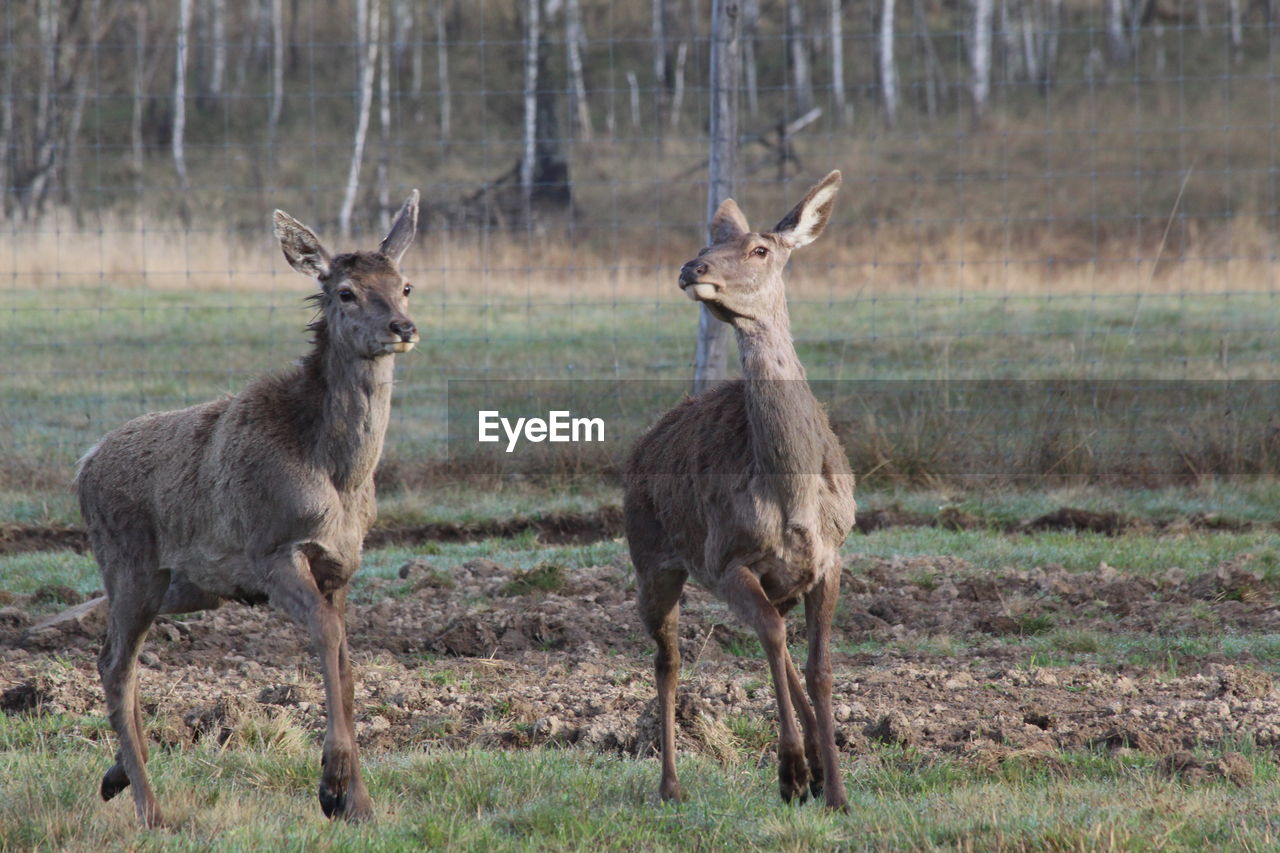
pixel 301 246
pixel 402 230
pixel 806 220
pixel 728 223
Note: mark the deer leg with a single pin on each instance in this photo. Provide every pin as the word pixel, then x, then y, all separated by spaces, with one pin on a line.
pixel 131 611
pixel 342 790
pixel 348 677
pixel 659 600
pixel 741 590
pixel 809 723
pixel 819 608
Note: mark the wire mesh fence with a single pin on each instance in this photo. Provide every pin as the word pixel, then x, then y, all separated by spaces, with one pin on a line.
pixel 1034 189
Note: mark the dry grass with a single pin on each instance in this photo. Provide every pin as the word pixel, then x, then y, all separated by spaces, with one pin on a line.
pixel 487 267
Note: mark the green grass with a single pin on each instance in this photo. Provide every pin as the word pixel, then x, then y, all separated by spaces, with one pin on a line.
pixel 94 358
pixel 262 797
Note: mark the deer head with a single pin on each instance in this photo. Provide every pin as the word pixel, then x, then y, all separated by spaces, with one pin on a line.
pixel 739 276
pixel 363 298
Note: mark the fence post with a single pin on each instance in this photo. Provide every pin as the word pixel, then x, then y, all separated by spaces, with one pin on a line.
pixel 712 354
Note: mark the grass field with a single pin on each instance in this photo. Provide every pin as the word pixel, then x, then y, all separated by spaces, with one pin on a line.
pixel 447 777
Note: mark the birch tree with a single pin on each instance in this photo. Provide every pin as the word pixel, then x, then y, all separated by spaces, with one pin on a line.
pixel 368 15
pixel 180 96
pixel 575 42
pixel 798 58
pixel 843 113
pixel 980 55
pixel 532 36
pixel 218 49
pixel 888 69
pixel 277 68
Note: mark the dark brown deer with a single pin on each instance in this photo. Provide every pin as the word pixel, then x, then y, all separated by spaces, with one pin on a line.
pixel 261 497
pixel 746 488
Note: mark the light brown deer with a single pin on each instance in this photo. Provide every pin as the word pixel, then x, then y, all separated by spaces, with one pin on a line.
pixel 261 497
pixel 746 488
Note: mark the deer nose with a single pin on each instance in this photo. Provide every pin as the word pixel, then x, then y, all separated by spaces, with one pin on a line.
pixel 404 329
pixel 691 272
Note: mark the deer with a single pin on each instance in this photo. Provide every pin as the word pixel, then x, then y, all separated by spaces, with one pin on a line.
pixel 260 497
pixel 746 488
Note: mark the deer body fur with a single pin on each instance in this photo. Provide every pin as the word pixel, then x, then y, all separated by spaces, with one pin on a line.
pixel 746 489
pixel 264 496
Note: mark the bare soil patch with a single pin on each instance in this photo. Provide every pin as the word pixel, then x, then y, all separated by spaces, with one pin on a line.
pixel 489 655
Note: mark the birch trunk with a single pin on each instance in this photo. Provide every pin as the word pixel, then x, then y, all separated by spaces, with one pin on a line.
pixel 277 68
pixel 843 114
pixel 137 150
pixel 798 54
pixel 180 96
pixel 980 55
pixel 218 63
pixel 677 96
pixel 574 43
pixel 532 35
pixel 382 180
pixel 712 353
pixel 1117 37
pixel 1235 22
pixel 888 69
pixel 368 14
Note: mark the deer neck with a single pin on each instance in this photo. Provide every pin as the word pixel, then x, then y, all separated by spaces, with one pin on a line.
pixel 784 417
pixel 354 408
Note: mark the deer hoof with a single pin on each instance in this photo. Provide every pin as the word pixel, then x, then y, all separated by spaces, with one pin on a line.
pixel 671 792
pixel 114 781
pixel 348 805
pixel 793 779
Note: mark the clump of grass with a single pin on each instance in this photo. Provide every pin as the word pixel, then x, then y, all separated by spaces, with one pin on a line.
pixel 544 577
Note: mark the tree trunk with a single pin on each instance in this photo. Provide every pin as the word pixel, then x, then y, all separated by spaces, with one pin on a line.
pixel 277 71
pixel 633 86
pixel 888 70
pixel 440 9
pixel 218 63
pixel 798 57
pixel 180 97
pixel 1117 37
pixel 137 149
pixel 1235 22
pixel 575 41
pixel 550 165
pixel 934 79
pixel 382 180
pixel 532 36
pixel 750 29
pixel 677 96
pixel 843 114
pixel 712 354
pixel 368 14
pixel 980 55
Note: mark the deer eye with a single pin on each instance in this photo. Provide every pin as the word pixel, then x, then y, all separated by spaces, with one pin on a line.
pixel 408 288
pixel 760 251
pixel 346 294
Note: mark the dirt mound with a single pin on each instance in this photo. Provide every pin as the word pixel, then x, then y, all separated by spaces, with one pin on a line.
pixel 23 538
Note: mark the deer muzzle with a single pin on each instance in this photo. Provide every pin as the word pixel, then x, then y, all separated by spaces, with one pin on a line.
pixel 691 282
